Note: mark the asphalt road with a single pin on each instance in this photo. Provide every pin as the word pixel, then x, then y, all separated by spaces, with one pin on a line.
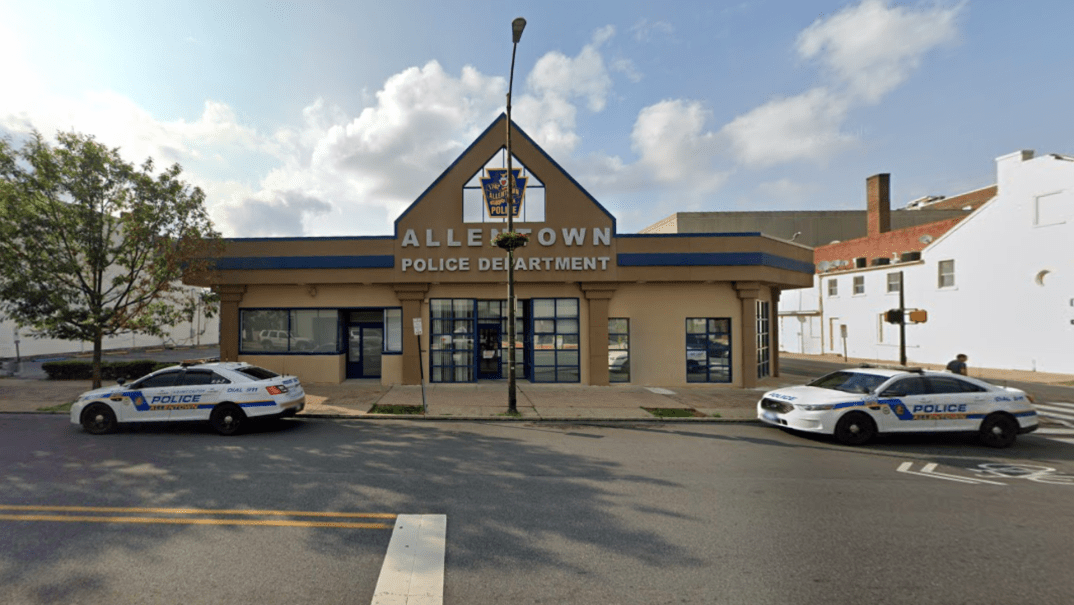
pixel 536 513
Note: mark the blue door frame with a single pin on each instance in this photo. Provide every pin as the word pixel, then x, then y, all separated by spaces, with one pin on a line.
pixel 365 341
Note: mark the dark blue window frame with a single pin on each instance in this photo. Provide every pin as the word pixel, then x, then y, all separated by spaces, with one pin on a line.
pixel 555 324
pixel 619 341
pixel 708 349
pixel 452 327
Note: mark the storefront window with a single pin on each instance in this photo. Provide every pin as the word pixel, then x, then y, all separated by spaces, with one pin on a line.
pixel 555 340
pixel 708 349
pixel 289 331
pixel 393 330
pixel 764 362
pixel 618 350
pixel 451 340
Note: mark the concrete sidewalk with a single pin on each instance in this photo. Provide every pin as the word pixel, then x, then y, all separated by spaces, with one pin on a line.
pixel 483 401
pixel 488 400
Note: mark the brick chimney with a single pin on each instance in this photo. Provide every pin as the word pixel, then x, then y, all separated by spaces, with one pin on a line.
pixel 878 193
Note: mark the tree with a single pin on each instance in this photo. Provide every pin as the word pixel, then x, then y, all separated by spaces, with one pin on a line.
pixel 92 246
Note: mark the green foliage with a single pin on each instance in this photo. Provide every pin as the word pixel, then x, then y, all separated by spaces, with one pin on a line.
pixel 674 412
pixel 396 409
pixel 92 246
pixel 110 370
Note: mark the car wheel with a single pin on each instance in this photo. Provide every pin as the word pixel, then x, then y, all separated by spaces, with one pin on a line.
pixel 998 430
pixel 227 418
pixel 855 428
pixel 98 419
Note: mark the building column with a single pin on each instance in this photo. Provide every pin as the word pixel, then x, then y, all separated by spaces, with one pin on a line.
pixel 411 296
pixel 230 328
pixel 748 293
pixel 598 296
pixel 773 321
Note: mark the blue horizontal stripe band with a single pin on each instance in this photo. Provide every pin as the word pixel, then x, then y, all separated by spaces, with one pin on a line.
pixel 256 404
pixel 712 259
pixel 234 263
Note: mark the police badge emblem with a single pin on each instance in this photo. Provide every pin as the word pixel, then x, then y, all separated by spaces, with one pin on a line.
pixel 494 190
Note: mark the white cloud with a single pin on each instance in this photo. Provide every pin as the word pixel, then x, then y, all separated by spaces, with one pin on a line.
pixel 783 130
pixel 674 147
pixel 873 47
pixel 645 30
pixel 868 50
pixel 627 68
pixel 584 76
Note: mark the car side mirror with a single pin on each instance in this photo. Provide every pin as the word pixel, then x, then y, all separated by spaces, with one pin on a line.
pixel 120 381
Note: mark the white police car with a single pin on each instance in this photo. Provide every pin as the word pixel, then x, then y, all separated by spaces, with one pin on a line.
pixel 857 403
pixel 224 393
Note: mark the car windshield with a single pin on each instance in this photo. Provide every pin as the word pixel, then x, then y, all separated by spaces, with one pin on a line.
pixel 850 382
pixel 257 373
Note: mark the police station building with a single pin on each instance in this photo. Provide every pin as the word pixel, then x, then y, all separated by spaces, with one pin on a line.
pixel 593 306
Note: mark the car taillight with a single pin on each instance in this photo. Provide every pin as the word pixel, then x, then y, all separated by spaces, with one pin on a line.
pixel 276 390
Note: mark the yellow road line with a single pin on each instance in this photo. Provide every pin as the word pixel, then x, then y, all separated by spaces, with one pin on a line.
pixel 193 521
pixel 194 511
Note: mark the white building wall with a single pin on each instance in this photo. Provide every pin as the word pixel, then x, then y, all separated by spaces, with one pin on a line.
pixel 201 331
pixel 1012 304
pixel 800 321
pixel 1013 300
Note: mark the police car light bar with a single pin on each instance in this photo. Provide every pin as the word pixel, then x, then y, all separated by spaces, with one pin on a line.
pixel 195 362
pixel 881 366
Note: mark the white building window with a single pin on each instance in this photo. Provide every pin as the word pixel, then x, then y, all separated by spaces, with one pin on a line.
pixel 946 277
pixel 859 284
pixel 1053 208
pixel 833 287
pixel 894 282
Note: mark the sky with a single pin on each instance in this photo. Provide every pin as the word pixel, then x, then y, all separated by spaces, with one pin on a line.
pixel 325 119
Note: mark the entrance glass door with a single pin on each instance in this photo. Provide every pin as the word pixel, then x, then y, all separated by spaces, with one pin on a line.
pixel 364 345
pixel 488 351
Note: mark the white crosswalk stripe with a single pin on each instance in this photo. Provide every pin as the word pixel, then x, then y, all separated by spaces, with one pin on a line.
pixel 1057 411
pixel 1064 435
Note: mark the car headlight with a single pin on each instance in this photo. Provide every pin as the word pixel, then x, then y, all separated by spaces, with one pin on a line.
pixel 816 407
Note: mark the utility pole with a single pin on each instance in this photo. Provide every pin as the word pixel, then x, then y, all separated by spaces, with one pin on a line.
pixel 902 320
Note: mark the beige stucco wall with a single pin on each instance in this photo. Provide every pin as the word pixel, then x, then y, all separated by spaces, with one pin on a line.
pixel 310 369
pixel 705 277
pixel 658 314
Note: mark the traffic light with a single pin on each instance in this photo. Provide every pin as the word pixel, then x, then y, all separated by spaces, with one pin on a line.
pixel 893 316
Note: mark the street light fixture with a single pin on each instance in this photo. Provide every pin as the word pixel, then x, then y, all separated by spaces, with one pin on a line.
pixel 517 26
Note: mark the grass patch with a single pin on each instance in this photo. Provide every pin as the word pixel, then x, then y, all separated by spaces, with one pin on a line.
pixel 63 407
pixel 674 412
pixel 397 409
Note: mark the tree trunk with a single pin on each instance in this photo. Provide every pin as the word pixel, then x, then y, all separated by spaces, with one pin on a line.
pixel 97 338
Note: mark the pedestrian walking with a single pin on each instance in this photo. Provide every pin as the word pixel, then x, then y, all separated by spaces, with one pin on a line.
pixel 958 364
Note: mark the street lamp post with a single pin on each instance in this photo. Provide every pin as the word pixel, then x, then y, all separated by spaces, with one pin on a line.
pixel 517 26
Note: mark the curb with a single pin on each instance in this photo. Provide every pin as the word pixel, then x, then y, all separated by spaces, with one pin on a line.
pixel 421 418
